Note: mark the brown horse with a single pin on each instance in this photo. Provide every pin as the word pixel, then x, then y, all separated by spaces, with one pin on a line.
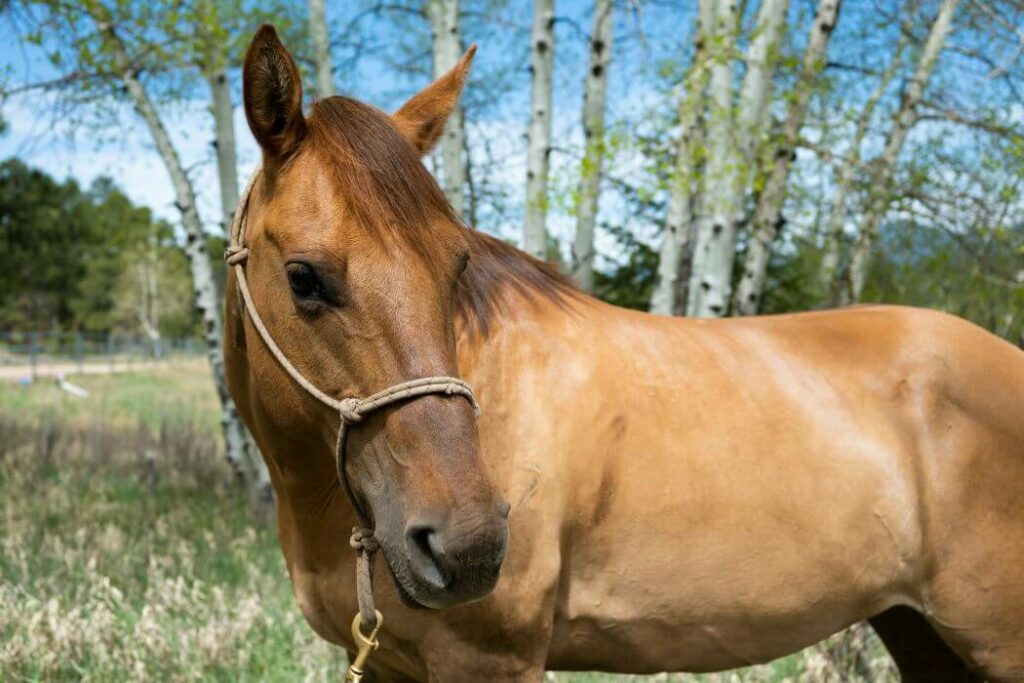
pixel 686 494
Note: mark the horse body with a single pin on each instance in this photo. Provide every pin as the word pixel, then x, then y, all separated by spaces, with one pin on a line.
pixel 741 489
pixel 723 493
pixel 685 494
pixel 692 495
pixel 733 503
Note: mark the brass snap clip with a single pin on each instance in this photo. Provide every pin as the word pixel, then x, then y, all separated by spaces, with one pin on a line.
pixel 365 645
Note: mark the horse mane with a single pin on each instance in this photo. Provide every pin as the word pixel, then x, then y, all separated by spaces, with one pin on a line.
pixel 395 196
pixel 495 270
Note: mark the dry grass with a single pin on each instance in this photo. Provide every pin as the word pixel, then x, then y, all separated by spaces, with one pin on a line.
pixel 112 568
pixel 115 569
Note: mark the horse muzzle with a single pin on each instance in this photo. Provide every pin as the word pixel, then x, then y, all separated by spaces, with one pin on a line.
pixel 451 564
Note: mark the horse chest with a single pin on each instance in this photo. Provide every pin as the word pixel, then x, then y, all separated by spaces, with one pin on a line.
pixel 325 601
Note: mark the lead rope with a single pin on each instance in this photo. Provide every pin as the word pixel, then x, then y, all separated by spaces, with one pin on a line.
pixel 368 621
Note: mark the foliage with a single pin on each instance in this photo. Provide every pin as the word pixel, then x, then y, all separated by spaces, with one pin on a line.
pixel 70 259
pixel 43 223
pixel 958 273
pixel 967 141
pixel 628 284
pixel 172 45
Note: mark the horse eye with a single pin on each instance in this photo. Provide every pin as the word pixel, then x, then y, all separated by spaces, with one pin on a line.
pixel 304 282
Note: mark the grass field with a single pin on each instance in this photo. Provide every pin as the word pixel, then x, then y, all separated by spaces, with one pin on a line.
pixel 119 566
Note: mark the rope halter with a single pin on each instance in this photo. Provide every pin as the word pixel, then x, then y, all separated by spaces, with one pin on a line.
pixel 351 411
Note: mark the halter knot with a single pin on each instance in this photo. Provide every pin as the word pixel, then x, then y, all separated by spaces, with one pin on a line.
pixel 236 254
pixel 362 540
pixel 349 410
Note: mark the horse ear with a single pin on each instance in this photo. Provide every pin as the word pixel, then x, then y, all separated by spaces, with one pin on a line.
pixel 272 92
pixel 421 120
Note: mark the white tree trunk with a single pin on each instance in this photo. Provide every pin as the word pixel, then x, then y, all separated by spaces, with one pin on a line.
pixel 711 279
pixel 153 288
pixel 447 46
pixel 224 142
pixel 733 149
pixel 321 49
pixel 147 297
pixel 676 241
pixel 882 167
pixel 542 59
pixel 768 213
pixel 844 181
pixel 755 94
pixel 594 96
pixel 247 465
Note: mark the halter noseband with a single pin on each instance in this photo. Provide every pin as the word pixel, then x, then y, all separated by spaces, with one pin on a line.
pixel 350 411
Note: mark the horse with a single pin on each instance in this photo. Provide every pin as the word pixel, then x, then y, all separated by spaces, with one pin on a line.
pixel 639 493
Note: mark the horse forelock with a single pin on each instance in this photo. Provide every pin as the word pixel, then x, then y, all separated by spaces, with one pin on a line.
pixel 386 187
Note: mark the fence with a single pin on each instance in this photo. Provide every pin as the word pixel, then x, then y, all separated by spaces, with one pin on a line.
pixel 30 355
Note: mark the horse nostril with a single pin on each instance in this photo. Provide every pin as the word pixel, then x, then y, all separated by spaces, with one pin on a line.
pixel 426 555
pixel 463 559
pixel 503 509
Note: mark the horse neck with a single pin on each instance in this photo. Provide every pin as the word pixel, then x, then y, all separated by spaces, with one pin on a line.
pixel 518 351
